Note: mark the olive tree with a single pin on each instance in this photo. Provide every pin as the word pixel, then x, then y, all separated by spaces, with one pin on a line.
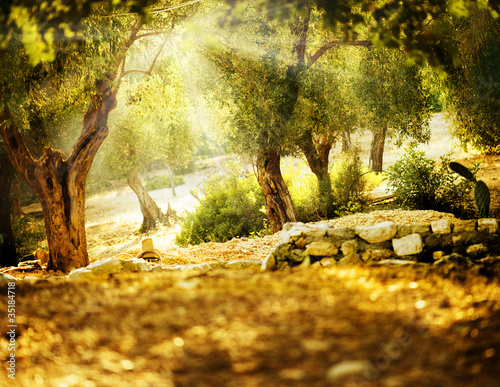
pixel 150 124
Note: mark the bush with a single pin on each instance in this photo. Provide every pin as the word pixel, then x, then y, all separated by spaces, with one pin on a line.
pixel 28 234
pixel 303 188
pixel 160 182
pixel 347 181
pixel 423 184
pixel 230 205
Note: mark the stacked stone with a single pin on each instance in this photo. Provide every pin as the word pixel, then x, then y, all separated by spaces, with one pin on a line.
pixel 384 243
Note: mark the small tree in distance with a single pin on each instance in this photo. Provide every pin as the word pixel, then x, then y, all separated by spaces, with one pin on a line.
pixel 392 101
pixel 151 124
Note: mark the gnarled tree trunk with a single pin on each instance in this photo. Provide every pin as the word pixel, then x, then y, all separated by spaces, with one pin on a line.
pixel 278 202
pixel 7 244
pixel 151 213
pixel 60 184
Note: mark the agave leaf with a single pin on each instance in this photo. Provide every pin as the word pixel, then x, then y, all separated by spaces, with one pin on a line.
pixel 482 196
pixel 462 170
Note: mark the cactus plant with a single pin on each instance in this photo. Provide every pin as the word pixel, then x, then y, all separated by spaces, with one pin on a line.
pixel 481 191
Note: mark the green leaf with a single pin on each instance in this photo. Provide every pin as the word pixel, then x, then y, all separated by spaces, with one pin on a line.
pixel 462 171
pixel 482 196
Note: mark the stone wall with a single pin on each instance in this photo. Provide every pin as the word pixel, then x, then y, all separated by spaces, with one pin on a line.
pixel 385 243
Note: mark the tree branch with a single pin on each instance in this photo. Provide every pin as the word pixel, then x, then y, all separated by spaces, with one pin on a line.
pixel 335 43
pixel 155 33
pixel 147 72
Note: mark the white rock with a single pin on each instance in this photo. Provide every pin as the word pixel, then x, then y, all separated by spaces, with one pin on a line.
pixel 295 230
pixel 395 262
pixel 106 266
pixel 136 264
pixel 378 233
pixel 82 273
pixel 408 245
pixel 487 224
pixel 7 278
pixel 442 226
pixel 232 265
pixel 251 263
pixel 291 230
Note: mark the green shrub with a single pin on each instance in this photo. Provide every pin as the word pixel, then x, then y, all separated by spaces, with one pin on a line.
pixel 230 205
pixel 303 187
pixel 160 182
pixel 348 179
pixel 28 234
pixel 420 183
pixel 348 186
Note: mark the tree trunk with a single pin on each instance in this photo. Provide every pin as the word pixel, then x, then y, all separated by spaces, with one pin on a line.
pixel 278 202
pixel 317 154
pixel 377 150
pixel 172 179
pixel 7 244
pixel 151 213
pixel 60 184
pixel 347 144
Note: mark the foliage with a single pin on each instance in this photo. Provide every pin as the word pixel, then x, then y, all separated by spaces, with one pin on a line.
pixel 303 187
pixel 392 96
pixel 230 205
pixel 420 183
pixel 481 191
pixel 254 90
pixel 160 182
pixel 348 184
pixel 436 88
pixel 474 85
pixel 28 234
pixel 151 123
pixel 422 28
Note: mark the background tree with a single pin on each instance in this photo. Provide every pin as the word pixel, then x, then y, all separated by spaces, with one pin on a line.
pixel 392 100
pixel 260 130
pixel 278 75
pixel 324 115
pixel 150 125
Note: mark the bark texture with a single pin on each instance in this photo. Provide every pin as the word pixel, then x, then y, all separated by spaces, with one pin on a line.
pixel 278 202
